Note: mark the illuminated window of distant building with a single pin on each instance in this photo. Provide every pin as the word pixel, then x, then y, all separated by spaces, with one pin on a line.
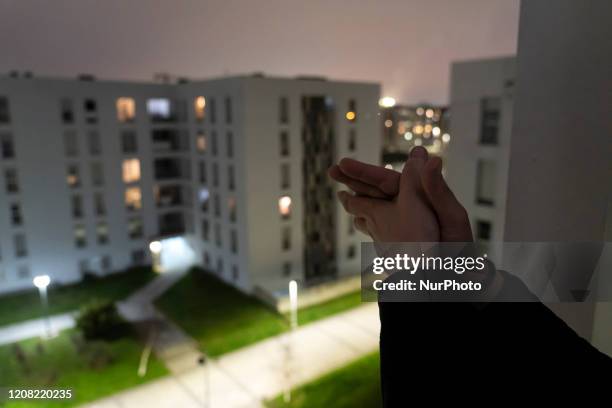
pixel 71 147
pixel 231 206
pixel 126 109
pixel 284 206
pixel 135 227
pixel 201 142
pixel 285 175
pixel 490 112
pixel 131 170
pixel 5 114
pixel 77 206
pixel 66 111
pixel 351 114
pixel 204 198
pixel 133 198
pixel 97 173
pixel 199 105
pixel 283 110
pixel 486 179
pixel 159 109
pixel 286 238
pixel 284 143
pixel 10 181
pixel 102 232
pixel 129 141
pixel 7 147
pixel 80 236
pixel 73 177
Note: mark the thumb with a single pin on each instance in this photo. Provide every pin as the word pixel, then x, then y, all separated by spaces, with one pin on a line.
pixel 410 180
pixel 453 218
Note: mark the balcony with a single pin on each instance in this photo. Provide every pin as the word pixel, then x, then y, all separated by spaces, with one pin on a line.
pixel 171 169
pixel 170 140
pixel 171 196
pixel 163 110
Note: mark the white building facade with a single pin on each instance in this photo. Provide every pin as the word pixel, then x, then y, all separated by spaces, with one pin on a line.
pixel 233 168
pixel 481 127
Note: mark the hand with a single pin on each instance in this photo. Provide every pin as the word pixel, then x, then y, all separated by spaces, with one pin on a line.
pixel 407 217
pixel 378 182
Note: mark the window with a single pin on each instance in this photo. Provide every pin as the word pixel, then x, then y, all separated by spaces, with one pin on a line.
pixel 97 174
pixel 205 230
pixel 213 111
pixel 286 239
pixel 351 251
pixel 214 143
pixel 284 143
pixel 228 110
pixel 215 175
pixel 351 114
pixel 352 140
pixel 483 230
pixel 99 205
pixel 16 216
pixel 216 205
pixel 66 111
pixel 135 227
pixel 133 198
pixel 90 106
pixel 80 236
pixel 284 206
pixel 10 180
pixel 283 110
pixel 285 176
pixel 201 142
pixel 202 171
pixel 235 273
pixel 21 248
pixel 159 109
pixel 126 109
pixel 73 177
pixel 218 240
pixel 206 259
pixel 231 206
pixel 199 105
pixel 231 182
pixel 131 170
pixel 129 141
pixel 233 241
pixel 102 232
pixel 230 144
pixel 77 206
pixel 5 115
pixel 286 269
pixel 489 117
pixel 7 147
pixel 220 266
pixel 486 182
pixel 93 140
pixel 351 226
pixel 71 147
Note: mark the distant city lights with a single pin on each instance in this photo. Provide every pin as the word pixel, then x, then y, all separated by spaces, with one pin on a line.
pixel 436 131
pixel 418 142
pixel 446 138
pixel 420 111
pixel 386 102
pixel 429 113
pixel 388 123
pixel 350 115
pixel 408 136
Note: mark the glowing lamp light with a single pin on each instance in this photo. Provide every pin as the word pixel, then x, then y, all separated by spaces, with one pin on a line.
pixel 386 102
pixel 446 138
pixel 420 111
pixel 429 113
pixel 418 142
pixel 408 136
pixel 388 123
pixel 350 115
pixel 41 281
pixel 436 131
pixel 155 247
pixel 284 205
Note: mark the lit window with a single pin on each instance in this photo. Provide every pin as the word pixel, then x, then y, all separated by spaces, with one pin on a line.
pixel 446 138
pixel 284 206
pixel 429 113
pixel 420 111
pixel 126 109
pixel 133 198
pixel 80 236
pixel 418 129
pixel 388 123
pixel 102 232
pixel 72 177
pixel 436 131
pixel 351 115
pixel 199 105
pixel 204 198
pixel 131 170
pixel 231 205
pixel 201 142
pixel 158 108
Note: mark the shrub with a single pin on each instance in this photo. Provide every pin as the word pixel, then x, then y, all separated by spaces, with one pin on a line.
pixel 100 320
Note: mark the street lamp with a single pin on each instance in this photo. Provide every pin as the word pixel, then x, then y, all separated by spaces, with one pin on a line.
pixel 293 308
pixel 41 282
pixel 156 247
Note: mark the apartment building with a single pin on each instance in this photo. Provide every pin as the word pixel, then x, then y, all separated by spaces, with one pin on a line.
pixel 226 173
pixel 477 159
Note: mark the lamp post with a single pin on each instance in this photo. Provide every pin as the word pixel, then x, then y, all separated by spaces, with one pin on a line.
pixel 156 247
pixel 293 319
pixel 41 282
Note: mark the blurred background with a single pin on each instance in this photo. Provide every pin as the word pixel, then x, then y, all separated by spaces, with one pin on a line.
pixel 168 232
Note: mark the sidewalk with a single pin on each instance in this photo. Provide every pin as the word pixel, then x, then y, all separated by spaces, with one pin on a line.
pixel 34 328
pixel 247 376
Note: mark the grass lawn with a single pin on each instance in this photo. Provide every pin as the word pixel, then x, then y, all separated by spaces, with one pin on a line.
pixel 223 319
pixel 96 370
pixel 26 305
pixel 356 385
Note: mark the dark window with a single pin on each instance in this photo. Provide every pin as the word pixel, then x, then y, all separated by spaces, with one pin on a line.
pixel 77 206
pixel 135 229
pixel 352 142
pixel 231 182
pixel 90 106
pixel 10 179
pixel 213 111
pixel 205 230
pixel 139 257
pixel 286 269
pixel 5 113
pixel 66 111
pixel 285 176
pixel 235 273
pixel 93 140
pixel 483 230
pixel 230 144
pixel 7 147
pixel 233 241
pixel 228 110
pixel 213 143
pixel 286 238
pixel 486 182
pixel 99 205
pixel 351 251
pixel 16 217
pixel 21 248
pixel 489 120
pixel 129 141
pixel 284 110
pixel 284 143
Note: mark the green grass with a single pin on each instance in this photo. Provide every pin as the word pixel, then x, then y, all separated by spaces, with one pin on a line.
pixel 26 305
pixel 356 385
pixel 57 364
pixel 224 319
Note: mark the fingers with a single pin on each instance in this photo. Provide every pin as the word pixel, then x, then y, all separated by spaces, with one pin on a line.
pixel 386 180
pixel 359 206
pixel 410 183
pixel 357 186
pixel 453 219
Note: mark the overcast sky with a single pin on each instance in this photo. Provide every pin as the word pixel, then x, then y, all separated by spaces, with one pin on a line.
pixel 406 45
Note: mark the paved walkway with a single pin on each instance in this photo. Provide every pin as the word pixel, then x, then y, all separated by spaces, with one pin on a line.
pixel 247 376
pixel 34 328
